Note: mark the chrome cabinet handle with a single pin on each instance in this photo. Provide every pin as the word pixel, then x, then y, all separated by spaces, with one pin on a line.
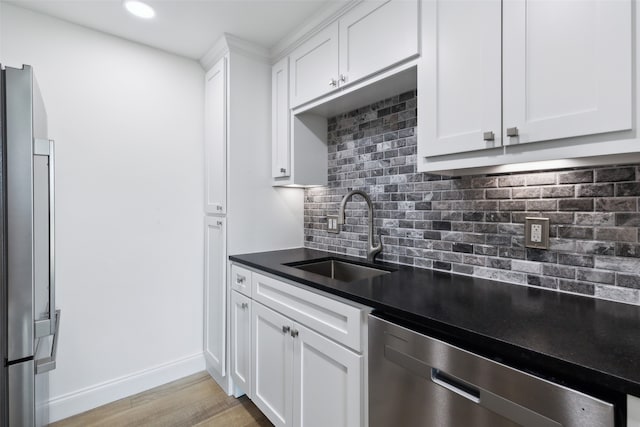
pixel 285 329
pixel 512 131
pixel 294 333
pixel 488 136
pixel 244 305
pixel 333 82
pixel 343 78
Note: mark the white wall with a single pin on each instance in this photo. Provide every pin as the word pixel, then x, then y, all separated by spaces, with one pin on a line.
pixel 127 121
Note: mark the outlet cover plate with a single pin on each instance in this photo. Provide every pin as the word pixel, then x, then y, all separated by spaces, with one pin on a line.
pixel 536 233
pixel 332 224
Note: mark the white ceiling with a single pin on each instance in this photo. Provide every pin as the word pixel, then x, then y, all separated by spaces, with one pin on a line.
pixel 187 27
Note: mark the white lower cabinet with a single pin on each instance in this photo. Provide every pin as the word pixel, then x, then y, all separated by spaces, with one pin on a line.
pixel 241 342
pixel 307 358
pixel 215 296
pixel 302 378
pixel 272 357
pixel 633 411
pixel 327 381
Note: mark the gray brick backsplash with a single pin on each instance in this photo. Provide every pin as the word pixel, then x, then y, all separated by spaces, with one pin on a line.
pixel 617 294
pixel 628 280
pixel 616 174
pixel 595 190
pixel 574 177
pixel 474 225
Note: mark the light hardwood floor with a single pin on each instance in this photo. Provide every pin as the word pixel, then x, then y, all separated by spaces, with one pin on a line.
pixel 192 401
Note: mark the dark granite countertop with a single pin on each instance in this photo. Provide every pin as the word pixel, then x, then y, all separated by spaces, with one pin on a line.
pixel 567 338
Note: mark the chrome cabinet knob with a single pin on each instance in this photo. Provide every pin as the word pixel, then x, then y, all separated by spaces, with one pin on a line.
pixel 343 78
pixel 244 305
pixel 240 279
pixel 294 333
pixel 488 136
pixel 219 223
pixel 285 329
pixel 333 83
pixel 283 170
pixel 512 131
pixel 219 207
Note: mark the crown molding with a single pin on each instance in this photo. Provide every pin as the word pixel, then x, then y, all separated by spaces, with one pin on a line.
pixel 215 52
pixel 310 28
pixel 230 43
pixel 247 48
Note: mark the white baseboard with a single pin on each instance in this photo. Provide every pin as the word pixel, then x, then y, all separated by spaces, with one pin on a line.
pixel 82 400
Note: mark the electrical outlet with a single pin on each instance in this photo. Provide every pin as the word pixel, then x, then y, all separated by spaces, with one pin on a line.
pixel 537 233
pixel 332 224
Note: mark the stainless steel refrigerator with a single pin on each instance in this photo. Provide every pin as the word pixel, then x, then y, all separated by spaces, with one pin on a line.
pixel 29 321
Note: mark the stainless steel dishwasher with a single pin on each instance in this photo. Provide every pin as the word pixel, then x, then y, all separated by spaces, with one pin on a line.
pixel 416 380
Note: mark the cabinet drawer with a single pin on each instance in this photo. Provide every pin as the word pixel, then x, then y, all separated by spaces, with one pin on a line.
pixel 333 319
pixel 241 280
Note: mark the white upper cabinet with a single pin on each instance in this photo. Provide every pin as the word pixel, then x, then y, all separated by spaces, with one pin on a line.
pixel 462 96
pixel 314 66
pixel 495 75
pixel 280 116
pixel 215 134
pixel 372 37
pixel 567 68
pixel 376 35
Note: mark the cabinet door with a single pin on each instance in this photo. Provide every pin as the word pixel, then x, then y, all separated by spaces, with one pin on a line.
pixel 215 294
pixel 633 411
pixel 241 342
pixel 567 68
pixel 367 42
pixel 314 66
pixel 280 141
pixel 272 365
pixel 460 81
pixel 215 137
pixel 327 382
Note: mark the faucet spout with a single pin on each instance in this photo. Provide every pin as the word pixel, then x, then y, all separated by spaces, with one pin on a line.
pixel 372 250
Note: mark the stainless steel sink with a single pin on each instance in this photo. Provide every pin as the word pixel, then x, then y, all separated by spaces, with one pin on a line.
pixel 340 270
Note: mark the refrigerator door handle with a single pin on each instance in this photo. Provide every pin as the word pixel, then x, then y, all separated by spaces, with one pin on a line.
pixel 47 327
pixel 47 364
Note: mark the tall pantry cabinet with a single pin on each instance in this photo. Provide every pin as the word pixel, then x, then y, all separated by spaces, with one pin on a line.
pixel 243 212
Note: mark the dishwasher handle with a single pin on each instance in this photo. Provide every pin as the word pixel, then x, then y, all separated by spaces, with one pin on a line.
pixel 439 377
pixel 455 385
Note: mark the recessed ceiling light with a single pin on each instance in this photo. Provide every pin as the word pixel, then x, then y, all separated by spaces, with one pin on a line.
pixel 139 9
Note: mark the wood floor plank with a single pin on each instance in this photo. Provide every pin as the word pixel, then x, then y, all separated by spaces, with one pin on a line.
pixel 194 400
pixel 246 414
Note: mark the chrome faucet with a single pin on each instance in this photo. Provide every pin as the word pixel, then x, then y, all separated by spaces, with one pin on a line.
pixel 372 251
